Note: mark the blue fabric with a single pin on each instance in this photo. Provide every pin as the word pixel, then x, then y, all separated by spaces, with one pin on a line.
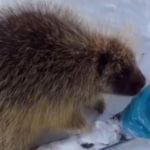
pixel 136 117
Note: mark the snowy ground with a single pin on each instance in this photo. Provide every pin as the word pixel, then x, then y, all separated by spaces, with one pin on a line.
pixel 118 13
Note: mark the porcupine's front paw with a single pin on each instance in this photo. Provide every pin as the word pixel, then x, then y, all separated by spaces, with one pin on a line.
pixel 99 106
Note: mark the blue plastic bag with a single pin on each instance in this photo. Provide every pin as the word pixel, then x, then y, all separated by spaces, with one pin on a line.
pixel 136 117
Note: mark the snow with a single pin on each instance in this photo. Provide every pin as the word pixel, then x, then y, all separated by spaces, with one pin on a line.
pixel 133 14
pixel 109 134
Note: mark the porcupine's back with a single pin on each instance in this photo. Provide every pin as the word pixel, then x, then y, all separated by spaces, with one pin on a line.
pixel 40 53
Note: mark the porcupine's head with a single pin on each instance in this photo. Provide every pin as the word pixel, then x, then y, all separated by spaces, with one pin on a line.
pixel 118 69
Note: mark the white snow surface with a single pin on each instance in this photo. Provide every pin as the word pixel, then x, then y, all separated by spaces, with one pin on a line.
pixel 109 134
pixel 134 14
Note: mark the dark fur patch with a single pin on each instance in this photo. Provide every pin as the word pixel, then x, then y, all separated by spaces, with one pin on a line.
pixel 103 61
pixel 87 145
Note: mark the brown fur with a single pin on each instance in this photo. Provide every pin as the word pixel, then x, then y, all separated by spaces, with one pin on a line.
pixel 49 68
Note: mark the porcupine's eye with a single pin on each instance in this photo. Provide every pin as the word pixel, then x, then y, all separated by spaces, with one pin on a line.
pixel 103 61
